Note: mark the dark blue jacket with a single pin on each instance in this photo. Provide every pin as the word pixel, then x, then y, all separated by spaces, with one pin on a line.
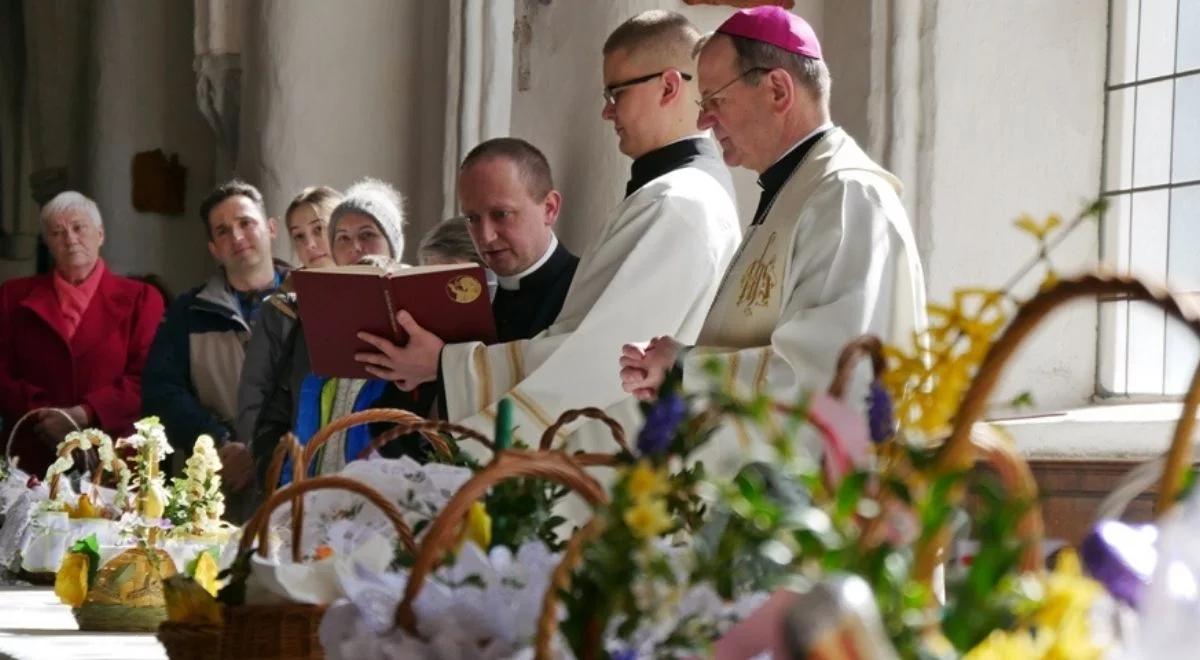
pixel 191 377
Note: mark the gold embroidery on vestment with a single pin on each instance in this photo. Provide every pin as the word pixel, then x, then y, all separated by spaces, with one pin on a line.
pixel 759 280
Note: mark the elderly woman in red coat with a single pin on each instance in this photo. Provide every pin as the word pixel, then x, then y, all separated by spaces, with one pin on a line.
pixel 75 339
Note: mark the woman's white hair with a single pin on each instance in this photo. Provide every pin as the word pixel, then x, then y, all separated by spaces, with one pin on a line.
pixel 70 202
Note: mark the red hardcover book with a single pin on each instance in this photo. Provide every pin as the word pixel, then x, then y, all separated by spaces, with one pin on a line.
pixel 451 301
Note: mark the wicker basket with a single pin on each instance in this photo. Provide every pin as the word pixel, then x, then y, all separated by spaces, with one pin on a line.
pixel 966 437
pixel 509 464
pixel 110 607
pixel 988 446
pixel 47 578
pixel 12 434
pixel 865 347
pixel 191 641
pixel 290 630
pixel 1169 469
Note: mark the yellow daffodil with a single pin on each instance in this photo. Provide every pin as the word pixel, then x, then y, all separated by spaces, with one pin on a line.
pixel 478 527
pixel 645 481
pixel 1067 592
pixel 1005 645
pixel 206 571
pixel 648 518
pixel 71 581
pixel 1072 640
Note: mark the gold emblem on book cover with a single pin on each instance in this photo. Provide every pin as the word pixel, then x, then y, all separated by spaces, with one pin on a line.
pixel 464 289
pixel 759 280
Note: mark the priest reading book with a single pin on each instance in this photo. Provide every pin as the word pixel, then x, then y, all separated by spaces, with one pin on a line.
pixel 337 303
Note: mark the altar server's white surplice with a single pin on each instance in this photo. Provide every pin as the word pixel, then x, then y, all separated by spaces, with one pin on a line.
pixel 653 270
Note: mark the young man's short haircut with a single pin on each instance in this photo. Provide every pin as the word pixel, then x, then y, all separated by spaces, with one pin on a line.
pixel 669 35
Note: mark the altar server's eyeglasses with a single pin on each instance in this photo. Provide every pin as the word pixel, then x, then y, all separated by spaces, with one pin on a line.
pixel 711 102
pixel 611 91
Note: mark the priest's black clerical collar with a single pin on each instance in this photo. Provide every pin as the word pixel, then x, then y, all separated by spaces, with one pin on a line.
pixel 546 270
pixel 773 178
pixel 654 164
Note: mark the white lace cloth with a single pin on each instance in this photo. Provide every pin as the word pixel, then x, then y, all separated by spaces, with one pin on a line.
pixel 14 484
pixel 35 538
pixel 487 606
pixel 481 606
pixel 344 520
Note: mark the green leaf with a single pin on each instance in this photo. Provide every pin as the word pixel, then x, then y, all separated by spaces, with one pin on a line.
pixel 848 494
pixel 1022 400
pixel 89 546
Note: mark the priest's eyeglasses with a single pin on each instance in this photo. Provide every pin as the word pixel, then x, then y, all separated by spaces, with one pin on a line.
pixel 612 91
pixel 711 102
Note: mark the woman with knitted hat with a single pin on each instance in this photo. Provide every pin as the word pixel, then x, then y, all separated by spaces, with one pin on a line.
pixel 366 226
pixel 269 351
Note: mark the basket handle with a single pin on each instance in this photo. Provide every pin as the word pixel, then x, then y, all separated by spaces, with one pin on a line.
pixel 996 450
pixel 560 580
pixel 509 464
pixel 288 447
pixel 259 524
pixel 403 417
pixel 858 349
pixel 588 459
pixel 12 433
pixel 65 450
pixel 1141 477
pixel 429 429
pixel 958 452
pixel 614 427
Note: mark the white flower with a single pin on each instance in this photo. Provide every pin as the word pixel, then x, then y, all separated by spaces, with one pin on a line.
pixel 60 465
pixel 149 435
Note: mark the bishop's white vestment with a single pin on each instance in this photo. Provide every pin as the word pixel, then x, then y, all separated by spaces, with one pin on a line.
pixel 832 258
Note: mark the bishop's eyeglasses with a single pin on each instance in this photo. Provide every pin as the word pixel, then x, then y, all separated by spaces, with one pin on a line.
pixel 711 102
pixel 612 91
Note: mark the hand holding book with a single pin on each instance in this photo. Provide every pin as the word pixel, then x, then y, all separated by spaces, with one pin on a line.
pixel 341 306
pixel 408 366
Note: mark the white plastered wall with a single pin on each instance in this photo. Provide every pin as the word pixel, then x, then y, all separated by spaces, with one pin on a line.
pixel 1017 128
pixel 138 95
pixel 145 99
pixel 336 91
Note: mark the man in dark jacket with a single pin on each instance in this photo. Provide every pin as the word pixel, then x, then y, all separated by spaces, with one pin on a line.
pixel 191 376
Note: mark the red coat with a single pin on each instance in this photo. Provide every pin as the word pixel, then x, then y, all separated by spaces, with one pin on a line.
pixel 100 366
